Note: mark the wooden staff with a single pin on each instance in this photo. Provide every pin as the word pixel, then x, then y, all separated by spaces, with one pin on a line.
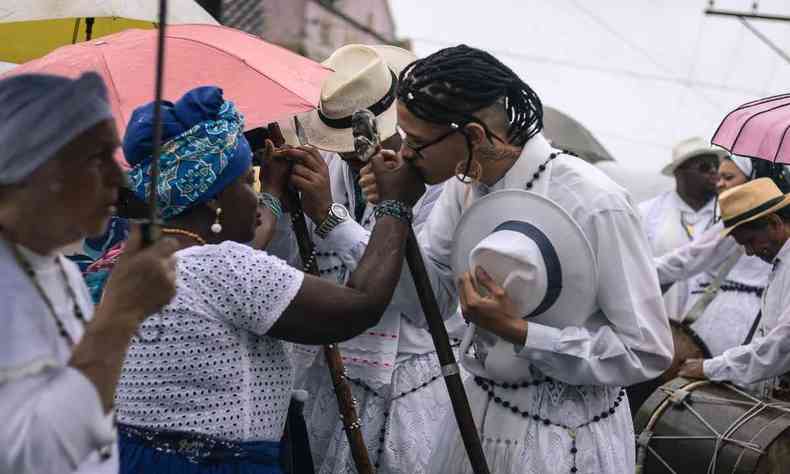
pixel 367 143
pixel 450 371
pixel 345 399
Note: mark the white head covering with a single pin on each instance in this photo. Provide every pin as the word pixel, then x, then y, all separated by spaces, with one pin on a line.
pixel 743 163
pixel 42 113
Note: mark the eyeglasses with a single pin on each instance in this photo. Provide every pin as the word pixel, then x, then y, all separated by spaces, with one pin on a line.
pixel 417 149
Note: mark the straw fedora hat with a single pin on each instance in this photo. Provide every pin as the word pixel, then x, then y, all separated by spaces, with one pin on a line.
pixel 691 148
pixel 750 201
pixel 365 77
pixel 535 250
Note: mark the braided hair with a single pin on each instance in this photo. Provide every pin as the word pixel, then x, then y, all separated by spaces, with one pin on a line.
pixel 448 86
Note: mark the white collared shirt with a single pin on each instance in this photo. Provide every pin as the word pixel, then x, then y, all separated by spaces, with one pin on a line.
pixel 628 340
pixel 768 355
pixel 52 416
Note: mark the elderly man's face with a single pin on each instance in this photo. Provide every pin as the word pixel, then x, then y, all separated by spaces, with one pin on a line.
pixel 700 173
pixel 77 190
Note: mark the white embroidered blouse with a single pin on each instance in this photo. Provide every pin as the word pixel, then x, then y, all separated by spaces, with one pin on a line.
pixel 204 363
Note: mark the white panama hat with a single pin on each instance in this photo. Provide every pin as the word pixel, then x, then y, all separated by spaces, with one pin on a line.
pixel 535 250
pixel 365 77
pixel 691 148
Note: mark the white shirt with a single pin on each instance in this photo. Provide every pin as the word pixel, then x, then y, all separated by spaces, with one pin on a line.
pixel 768 355
pixel 214 370
pixel 736 304
pixel 52 416
pixel 670 223
pixel 628 339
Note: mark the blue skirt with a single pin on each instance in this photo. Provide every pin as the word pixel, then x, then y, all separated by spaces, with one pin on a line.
pixel 149 452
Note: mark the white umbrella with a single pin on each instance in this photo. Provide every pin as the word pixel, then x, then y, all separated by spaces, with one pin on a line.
pixel 30 29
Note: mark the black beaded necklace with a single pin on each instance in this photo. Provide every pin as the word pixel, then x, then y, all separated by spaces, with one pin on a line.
pixel 542 168
pixel 488 387
pixel 27 267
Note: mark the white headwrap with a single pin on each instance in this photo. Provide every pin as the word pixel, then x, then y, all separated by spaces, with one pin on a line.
pixel 39 114
pixel 743 163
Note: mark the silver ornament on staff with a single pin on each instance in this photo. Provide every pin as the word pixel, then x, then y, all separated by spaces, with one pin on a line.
pixel 366 144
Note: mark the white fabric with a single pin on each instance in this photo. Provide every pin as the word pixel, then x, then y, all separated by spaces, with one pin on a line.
pixel 627 341
pixel 392 357
pixel 670 223
pixel 514 260
pixel 767 358
pixel 53 421
pixel 413 421
pixel 214 370
pixel 178 11
pixel 372 356
pixel 734 310
pixel 743 163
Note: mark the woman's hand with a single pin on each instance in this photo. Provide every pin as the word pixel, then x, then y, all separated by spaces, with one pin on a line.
pixel 275 169
pixel 492 309
pixel 692 369
pixel 311 177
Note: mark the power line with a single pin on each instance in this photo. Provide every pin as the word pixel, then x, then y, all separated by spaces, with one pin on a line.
pixel 613 71
pixel 638 49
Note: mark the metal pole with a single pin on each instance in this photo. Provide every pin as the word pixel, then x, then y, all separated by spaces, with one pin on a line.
pixel 754 16
pixel 345 399
pixel 151 229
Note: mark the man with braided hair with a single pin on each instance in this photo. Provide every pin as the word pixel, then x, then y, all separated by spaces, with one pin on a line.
pixel 469 120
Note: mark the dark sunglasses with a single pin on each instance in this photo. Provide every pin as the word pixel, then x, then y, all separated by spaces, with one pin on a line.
pixel 703 167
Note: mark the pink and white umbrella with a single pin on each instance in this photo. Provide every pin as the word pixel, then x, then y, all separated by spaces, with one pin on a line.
pixel 758 129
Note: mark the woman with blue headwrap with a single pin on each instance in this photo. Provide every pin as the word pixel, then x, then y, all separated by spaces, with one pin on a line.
pixel 207 386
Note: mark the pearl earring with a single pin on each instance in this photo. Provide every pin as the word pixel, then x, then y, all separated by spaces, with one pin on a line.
pixel 216 227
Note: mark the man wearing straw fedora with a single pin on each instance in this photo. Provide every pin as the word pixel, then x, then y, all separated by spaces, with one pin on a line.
pixel 677 217
pixel 393 368
pixel 757 215
pixel 565 313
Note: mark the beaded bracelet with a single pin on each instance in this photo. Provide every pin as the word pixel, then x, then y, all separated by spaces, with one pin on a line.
pixel 396 209
pixel 270 201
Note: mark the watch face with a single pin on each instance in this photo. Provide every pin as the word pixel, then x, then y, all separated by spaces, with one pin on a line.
pixel 340 211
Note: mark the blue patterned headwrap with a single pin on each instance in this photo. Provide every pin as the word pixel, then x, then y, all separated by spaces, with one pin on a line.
pixel 204 150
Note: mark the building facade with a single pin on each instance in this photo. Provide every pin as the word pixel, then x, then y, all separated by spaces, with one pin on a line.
pixel 313 28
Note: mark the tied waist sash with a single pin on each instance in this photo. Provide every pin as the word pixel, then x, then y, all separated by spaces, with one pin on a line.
pixel 202 449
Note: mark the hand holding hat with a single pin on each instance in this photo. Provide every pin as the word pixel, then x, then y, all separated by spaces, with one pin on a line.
pixel 491 309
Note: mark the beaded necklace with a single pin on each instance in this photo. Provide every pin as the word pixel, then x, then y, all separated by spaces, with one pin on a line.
pixel 542 168
pixel 488 386
pixel 27 267
pixel 173 231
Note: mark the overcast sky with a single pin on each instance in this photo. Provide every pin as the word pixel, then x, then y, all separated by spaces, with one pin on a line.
pixel 641 74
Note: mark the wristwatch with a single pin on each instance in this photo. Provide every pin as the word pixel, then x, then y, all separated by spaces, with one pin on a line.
pixel 337 214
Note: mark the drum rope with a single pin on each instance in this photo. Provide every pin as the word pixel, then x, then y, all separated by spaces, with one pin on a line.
pixel 720 438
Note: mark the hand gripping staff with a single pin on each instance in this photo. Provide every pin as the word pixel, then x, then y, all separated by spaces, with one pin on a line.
pixel 366 142
pixel 345 399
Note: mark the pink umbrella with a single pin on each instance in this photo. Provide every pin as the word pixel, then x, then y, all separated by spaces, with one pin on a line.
pixel 758 129
pixel 266 81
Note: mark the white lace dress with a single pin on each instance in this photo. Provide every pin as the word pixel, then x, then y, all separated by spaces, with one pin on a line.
pixel 204 363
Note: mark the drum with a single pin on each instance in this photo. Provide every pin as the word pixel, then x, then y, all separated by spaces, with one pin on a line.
pixel 688 345
pixel 708 427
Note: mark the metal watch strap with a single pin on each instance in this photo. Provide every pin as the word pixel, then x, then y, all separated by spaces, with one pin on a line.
pixel 328 224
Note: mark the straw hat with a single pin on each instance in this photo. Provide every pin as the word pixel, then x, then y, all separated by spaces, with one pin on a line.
pixel 749 202
pixel 535 250
pixel 365 77
pixel 691 148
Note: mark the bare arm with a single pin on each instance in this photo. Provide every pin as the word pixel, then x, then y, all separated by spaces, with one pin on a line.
pixel 323 312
